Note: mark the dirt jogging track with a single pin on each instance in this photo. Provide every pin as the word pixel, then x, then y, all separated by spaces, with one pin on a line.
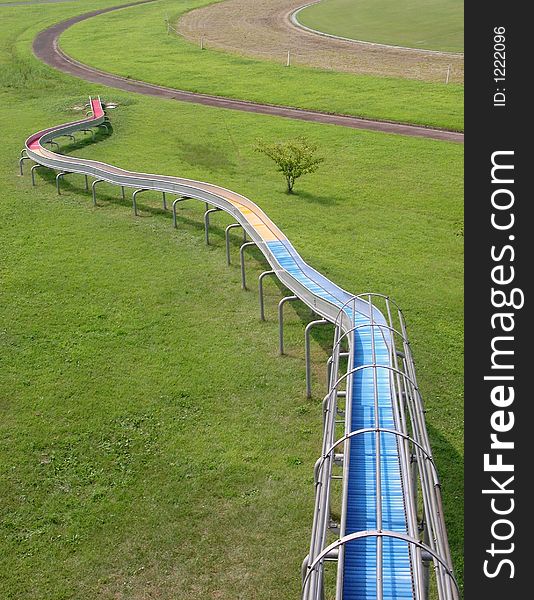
pixel 268 30
pixel 46 48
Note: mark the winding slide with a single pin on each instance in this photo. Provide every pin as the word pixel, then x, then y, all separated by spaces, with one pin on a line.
pixel 375 444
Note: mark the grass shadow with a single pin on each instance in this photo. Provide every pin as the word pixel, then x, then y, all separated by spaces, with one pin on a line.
pixel 450 467
pixel 315 198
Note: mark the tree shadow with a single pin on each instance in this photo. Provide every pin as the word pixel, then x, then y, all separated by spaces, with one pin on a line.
pixel 315 198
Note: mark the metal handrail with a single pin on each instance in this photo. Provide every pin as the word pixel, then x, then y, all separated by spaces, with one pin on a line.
pixel 375 533
pixel 405 384
pixel 320 460
pixel 363 295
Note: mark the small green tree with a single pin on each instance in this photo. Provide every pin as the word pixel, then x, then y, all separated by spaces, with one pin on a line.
pixel 293 157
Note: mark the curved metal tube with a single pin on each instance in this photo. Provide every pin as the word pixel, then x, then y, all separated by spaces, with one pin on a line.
pixel 242 262
pixel 134 201
pixel 281 322
pixel 227 238
pixel 21 162
pixel 260 289
pixel 59 176
pixel 33 172
pixel 207 223
pixel 93 188
pixel 174 221
pixel 391 534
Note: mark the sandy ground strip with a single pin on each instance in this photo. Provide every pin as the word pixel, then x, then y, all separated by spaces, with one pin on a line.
pixel 264 30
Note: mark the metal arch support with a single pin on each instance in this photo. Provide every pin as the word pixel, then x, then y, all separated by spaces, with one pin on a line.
pixel 33 172
pixel 23 152
pixel 242 262
pixel 395 432
pixel 52 143
pixel 134 201
pixel 383 533
pixel 175 202
pixel 260 288
pixel 338 461
pixel 105 126
pixel 69 135
pixel 21 163
pixel 307 331
pixel 93 186
pixel 89 131
pixel 281 322
pixel 227 239
pixel 59 176
pixel 207 223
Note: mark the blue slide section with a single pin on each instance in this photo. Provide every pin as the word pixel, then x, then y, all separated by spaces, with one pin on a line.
pixel 360 564
pixel 360 555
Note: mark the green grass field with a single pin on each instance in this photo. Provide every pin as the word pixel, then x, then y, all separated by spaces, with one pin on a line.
pixel 153 444
pixel 134 43
pixel 429 24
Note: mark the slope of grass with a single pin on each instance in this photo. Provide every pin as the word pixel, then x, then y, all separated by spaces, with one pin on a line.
pixel 153 444
pixel 429 24
pixel 134 43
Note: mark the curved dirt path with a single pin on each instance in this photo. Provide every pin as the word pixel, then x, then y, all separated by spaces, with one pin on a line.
pixel 265 30
pixel 46 48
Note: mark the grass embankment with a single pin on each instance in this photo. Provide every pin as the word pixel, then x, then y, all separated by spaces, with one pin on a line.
pixel 428 24
pixel 153 444
pixel 134 43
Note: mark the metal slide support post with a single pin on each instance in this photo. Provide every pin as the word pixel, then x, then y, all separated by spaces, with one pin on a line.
pixel 93 186
pixel 21 161
pixel 329 366
pixel 164 200
pixel 242 261
pixel 174 222
pixel 123 192
pixel 307 353
pixel 207 223
pixel 105 126
pixel 86 183
pixel 58 178
pixel 51 142
pixel 89 131
pixel 260 288
pixel 69 135
pixel 227 236
pixel 33 172
pixel 281 321
pixel 134 202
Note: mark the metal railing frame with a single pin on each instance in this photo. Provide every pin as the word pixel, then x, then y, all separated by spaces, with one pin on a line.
pixel 260 292
pixel 405 400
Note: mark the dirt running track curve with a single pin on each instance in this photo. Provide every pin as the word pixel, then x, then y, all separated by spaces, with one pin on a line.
pixel 46 48
pixel 265 30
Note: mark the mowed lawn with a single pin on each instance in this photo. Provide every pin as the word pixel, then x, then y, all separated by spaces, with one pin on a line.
pixel 134 43
pixel 152 443
pixel 428 24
